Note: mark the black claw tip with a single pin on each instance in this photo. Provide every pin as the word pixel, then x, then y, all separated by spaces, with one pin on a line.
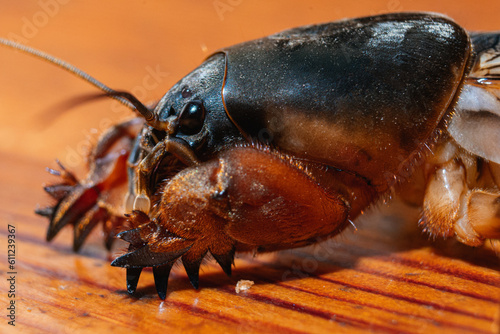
pixel 133 275
pixel 51 232
pixel 161 274
pixel 193 270
pixel 58 191
pixel 45 212
pixel 131 236
pixel 225 261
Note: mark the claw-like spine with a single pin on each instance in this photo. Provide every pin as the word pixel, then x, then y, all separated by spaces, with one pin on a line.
pixel 69 177
pixel 58 191
pixel 131 236
pixel 161 274
pixel 71 208
pixel 193 271
pixel 45 212
pixel 225 260
pixel 133 275
pixel 84 226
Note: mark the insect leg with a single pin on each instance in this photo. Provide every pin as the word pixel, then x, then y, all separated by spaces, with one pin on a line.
pixel 462 198
pixel 441 206
pixel 248 199
pixel 85 203
pixel 481 217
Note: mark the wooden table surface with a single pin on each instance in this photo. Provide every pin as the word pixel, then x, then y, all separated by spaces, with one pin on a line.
pixel 386 276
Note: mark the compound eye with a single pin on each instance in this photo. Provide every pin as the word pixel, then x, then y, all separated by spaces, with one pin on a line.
pixel 192 117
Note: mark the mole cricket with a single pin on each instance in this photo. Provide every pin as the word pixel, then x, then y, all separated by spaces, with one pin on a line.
pixel 282 141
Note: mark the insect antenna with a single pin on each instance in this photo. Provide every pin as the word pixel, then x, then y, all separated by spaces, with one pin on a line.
pixel 125 98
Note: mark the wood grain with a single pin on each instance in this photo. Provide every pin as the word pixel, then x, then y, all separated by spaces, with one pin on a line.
pixel 385 276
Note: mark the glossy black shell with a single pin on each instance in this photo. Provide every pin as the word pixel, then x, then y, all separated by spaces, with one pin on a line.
pixel 360 94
